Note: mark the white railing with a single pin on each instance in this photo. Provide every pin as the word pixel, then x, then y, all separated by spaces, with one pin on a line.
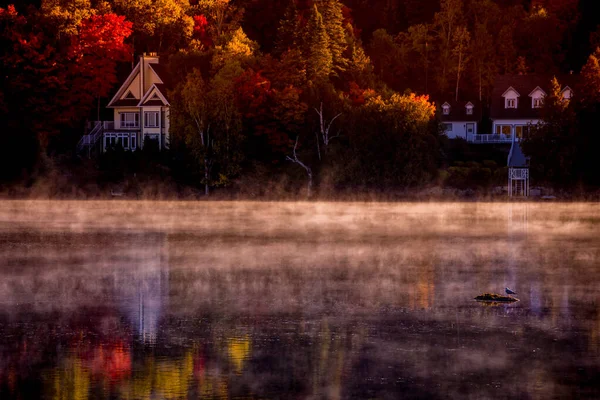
pixel 91 138
pixel 491 138
pixel 519 173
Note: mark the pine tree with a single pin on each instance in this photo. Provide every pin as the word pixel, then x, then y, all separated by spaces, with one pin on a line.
pixel 590 74
pixel 288 33
pixel 319 60
pixel 331 10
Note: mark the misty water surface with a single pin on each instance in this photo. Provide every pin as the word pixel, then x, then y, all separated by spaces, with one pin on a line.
pixel 174 300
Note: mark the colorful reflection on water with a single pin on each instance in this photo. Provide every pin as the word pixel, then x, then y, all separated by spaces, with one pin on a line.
pixel 140 300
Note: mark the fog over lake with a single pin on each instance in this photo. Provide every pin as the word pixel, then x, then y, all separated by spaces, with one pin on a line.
pixel 136 300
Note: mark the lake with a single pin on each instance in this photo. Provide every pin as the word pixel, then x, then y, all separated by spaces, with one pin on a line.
pixel 244 300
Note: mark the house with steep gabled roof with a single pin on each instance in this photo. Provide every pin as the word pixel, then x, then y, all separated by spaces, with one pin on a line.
pixel 140 111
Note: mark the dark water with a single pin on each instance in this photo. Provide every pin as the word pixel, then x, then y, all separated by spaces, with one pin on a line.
pixel 141 300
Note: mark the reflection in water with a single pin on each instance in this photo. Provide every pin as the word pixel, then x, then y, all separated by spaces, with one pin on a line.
pixel 279 300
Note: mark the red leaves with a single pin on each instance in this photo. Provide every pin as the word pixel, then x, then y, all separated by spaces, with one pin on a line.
pixel 253 91
pixel 94 52
pixel 201 30
pixel 55 82
pixel 356 94
pixel 103 36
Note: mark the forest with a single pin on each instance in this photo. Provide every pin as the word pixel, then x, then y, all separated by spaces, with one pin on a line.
pixel 296 96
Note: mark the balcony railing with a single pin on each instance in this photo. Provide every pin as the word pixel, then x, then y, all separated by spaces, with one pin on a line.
pixel 491 138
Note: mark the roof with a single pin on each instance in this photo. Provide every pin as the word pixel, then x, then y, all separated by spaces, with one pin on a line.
pixel 523 84
pixel 458 111
pixel 516 158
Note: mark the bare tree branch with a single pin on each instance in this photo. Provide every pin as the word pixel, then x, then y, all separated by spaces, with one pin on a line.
pixel 300 163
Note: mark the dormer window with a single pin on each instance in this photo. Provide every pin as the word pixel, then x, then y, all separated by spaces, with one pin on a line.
pixel 511 98
pixel 537 97
pixel 469 108
pixel 446 109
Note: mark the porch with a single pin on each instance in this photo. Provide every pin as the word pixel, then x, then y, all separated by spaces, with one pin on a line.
pixel 102 136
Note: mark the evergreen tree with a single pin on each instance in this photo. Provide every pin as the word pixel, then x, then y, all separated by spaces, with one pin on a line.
pixel 590 74
pixel 331 10
pixel 288 33
pixel 553 143
pixel 319 58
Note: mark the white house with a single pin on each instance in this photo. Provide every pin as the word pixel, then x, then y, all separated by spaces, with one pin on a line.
pixel 517 100
pixel 140 109
pixel 460 119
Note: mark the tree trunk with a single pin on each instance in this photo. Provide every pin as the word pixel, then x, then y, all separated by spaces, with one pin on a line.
pixel 206 192
pixel 458 75
pixel 310 183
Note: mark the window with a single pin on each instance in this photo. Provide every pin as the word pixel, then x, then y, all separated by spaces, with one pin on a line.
pixel 133 138
pixel 446 110
pixel 511 103
pixel 469 110
pixel 130 120
pixel 448 127
pixel 504 130
pixel 538 102
pixel 151 119
pixel 118 139
pixel 521 131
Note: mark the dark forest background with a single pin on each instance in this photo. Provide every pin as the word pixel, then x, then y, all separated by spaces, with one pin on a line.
pixel 277 97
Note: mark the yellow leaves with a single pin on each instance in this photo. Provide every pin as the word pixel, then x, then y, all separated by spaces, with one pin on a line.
pixel 239 48
pixel 407 110
pixel 66 15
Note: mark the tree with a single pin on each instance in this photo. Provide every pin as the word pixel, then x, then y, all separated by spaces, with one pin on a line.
pixel 445 23
pixel 324 132
pixel 506 49
pixel 64 16
pixel 33 72
pixel 553 143
pixel 589 91
pixel 333 19
pixel 461 47
pixel 174 26
pixel 239 48
pixel 194 104
pixel 308 170
pixel 319 58
pixel 94 52
pixel 417 43
pixel 386 57
pixel 223 17
pixel 482 53
pixel 288 32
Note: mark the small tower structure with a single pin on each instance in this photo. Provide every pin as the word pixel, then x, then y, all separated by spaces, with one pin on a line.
pixel 518 172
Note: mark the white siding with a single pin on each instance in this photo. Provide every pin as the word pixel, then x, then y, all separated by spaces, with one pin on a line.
pixel 459 130
pixel 119 111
